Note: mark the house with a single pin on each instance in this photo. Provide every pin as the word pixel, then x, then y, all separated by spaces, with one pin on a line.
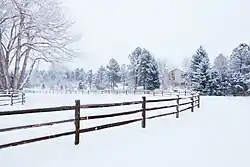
pixel 175 78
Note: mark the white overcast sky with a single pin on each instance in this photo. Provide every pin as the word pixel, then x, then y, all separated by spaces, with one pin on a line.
pixel 170 29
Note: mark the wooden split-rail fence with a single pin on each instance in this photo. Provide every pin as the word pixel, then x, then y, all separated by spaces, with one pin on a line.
pixel 193 101
pixel 11 98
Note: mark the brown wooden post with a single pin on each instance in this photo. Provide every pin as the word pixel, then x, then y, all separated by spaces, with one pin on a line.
pixel 11 99
pixel 185 92
pixel 162 93
pixel 143 123
pixel 153 93
pixel 126 92
pixel 192 103
pixel 177 107
pixel 199 100
pixel 22 98
pixel 77 122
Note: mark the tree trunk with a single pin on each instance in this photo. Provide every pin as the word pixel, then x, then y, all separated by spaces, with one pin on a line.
pixel 22 84
pixel 18 54
pixel 22 75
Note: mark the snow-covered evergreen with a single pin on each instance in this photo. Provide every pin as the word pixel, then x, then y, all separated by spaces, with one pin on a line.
pixel 239 65
pixel 89 79
pixel 101 78
pixel 148 71
pixel 221 78
pixel 124 75
pixel 133 67
pixel 113 70
pixel 199 74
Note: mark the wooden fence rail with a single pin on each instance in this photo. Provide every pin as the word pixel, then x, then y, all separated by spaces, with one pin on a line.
pixel 119 91
pixel 195 102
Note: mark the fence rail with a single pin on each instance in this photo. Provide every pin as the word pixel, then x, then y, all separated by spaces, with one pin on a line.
pixel 119 91
pixel 195 102
pixel 11 98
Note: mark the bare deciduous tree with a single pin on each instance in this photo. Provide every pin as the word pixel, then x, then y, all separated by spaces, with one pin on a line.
pixel 31 30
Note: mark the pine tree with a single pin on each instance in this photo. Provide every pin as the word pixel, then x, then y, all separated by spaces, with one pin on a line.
pixel 199 73
pixel 89 79
pixel 239 64
pixel 222 73
pixel 113 70
pixel 124 75
pixel 101 80
pixel 80 85
pixel 133 67
pixel 148 71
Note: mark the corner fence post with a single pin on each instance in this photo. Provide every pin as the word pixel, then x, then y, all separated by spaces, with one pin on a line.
pixel 192 103
pixel 143 123
pixel 177 107
pixel 77 122
pixel 199 100
pixel 11 99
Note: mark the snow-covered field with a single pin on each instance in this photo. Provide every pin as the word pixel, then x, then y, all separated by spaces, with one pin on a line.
pixel 215 135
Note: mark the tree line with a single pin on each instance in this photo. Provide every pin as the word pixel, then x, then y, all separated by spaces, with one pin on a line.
pixel 228 75
pixel 142 71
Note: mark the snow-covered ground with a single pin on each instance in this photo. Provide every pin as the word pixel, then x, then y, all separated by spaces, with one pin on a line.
pixel 215 135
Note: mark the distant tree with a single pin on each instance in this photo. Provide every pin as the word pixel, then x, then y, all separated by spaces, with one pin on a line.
pixel 101 80
pixel 124 75
pixel 133 67
pixel 89 79
pixel 162 68
pixel 80 85
pixel 113 70
pixel 148 76
pixel 43 86
pixel 220 68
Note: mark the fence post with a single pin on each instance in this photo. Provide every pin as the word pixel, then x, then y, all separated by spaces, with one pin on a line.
pixel 192 103
pixel 77 122
pixel 162 93
pixel 22 98
pixel 143 123
pixel 11 99
pixel 153 93
pixel 126 92
pixel 177 107
pixel 185 92
pixel 199 100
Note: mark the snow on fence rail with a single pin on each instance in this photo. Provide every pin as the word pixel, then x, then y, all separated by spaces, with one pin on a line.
pixel 195 102
pixel 11 98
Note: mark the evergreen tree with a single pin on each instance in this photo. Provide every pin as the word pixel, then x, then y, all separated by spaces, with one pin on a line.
pixel 113 70
pixel 80 85
pixel 133 67
pixel 124 75
pixel 221 68
pixel 148 71
pixel 89 79
pixel 239 64
pixel 101 78
pixel 199 73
